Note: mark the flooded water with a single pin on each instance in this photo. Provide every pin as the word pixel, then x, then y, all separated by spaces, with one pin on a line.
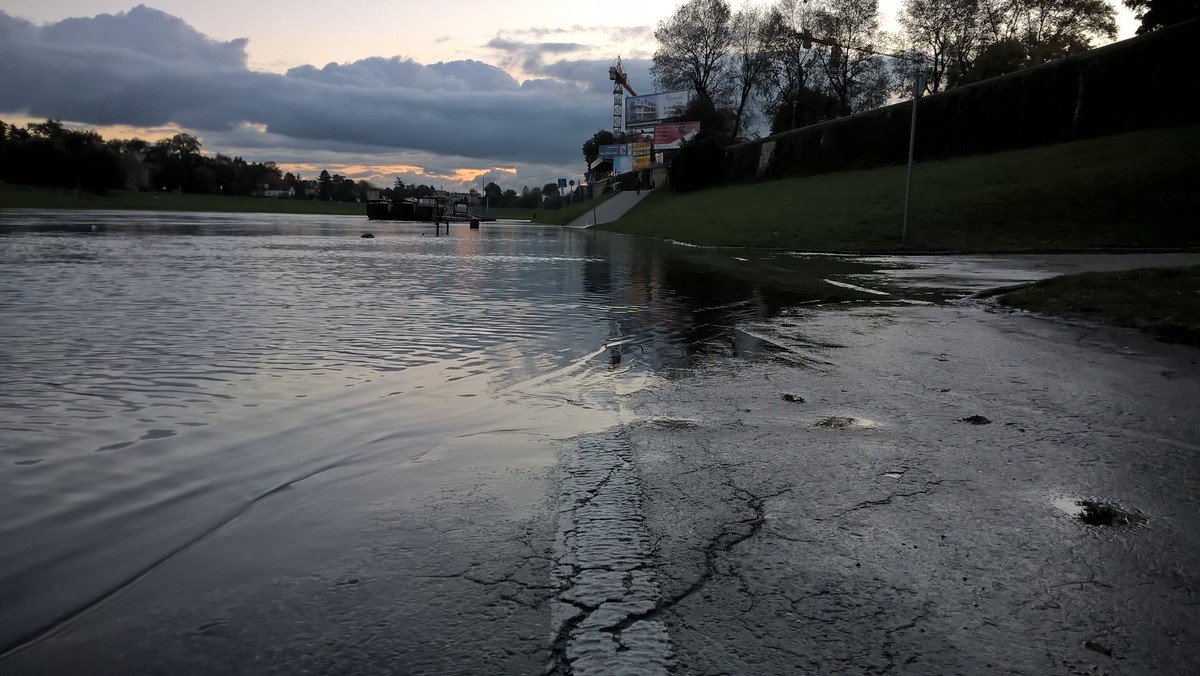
pixel 163 373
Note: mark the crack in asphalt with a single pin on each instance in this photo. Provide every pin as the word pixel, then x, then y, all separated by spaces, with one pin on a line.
pixel 603 567
pixel 715 547
pixel 888 500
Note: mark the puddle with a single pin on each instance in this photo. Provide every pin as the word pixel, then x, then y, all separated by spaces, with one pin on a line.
pixel 1101 514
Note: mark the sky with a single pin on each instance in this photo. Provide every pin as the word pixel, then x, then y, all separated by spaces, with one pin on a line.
pixel 450 94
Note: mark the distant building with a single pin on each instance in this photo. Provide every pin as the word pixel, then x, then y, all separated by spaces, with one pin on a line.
pixel 311 189
pixel 271 186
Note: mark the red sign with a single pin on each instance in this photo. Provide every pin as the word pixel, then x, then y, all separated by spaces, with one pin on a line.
pixel 674 134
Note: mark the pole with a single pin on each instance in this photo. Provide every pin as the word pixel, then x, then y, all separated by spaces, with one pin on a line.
pixel 912 141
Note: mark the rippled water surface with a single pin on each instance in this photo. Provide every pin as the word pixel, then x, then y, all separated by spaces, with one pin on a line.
pixel 163 372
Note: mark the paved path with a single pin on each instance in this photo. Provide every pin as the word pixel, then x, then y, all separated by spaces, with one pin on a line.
pixel 610 210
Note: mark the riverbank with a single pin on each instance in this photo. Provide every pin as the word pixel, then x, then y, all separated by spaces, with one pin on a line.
pixel 1121 192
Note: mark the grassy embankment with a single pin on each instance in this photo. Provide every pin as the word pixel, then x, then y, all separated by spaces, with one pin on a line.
pixel 561 216
pixel 1162 301
pixel 1139 190
pixel 1135 190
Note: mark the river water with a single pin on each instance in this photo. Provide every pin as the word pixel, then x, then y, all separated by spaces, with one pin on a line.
pixel 164 374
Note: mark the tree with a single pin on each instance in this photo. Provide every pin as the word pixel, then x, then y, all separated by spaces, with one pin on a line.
pixel 1003 56
pixel 550 196
pixel 591 147
pixel 751 60
pixel 492 193
pixel 809 107
pixel 792 61
pixel 859 79
pixel 693 49
pixel 714 121
pixel 948 32
pixel 1155 14
pixel 1049 29
pixel 182 146
pixel 531 198
pixel 325 186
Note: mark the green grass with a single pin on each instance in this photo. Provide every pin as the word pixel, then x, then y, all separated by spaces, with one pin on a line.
pixel 1162 301
pixel 25 197
pixel 1136 190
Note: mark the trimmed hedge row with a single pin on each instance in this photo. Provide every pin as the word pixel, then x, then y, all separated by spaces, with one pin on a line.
pixel 1134 84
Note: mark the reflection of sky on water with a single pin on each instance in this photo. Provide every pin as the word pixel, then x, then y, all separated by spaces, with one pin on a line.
pixel 163 371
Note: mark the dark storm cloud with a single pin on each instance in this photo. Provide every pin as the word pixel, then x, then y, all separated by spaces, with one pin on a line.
pixel 145 67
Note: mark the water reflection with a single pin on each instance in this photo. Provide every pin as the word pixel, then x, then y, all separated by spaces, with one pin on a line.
pixel 164 371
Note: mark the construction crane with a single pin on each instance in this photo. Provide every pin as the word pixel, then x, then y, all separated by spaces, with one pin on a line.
pixel 620 81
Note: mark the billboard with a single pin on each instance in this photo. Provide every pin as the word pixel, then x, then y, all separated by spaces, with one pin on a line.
pixel 643 111
pixel 641 152
pixel 610 151
pixel 674 134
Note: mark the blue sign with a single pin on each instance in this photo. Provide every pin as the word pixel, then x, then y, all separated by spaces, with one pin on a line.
pixel 562 182
pixel 614 150
pixel 589 178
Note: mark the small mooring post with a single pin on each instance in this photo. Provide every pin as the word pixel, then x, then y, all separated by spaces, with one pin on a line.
pixel 474 224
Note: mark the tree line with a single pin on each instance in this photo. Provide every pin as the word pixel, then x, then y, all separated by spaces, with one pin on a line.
pixel 493 196
pixel 795 62
pixel 49 154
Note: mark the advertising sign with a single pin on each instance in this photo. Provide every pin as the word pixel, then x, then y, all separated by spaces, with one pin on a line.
pixel 622 164
pixel 641 152
pixel 643 111
pixel 611 151
pixel 674 134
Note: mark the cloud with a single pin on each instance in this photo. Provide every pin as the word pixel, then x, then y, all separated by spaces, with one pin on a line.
pixel 147 68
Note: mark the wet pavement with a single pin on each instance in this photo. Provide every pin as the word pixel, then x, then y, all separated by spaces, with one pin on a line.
pixel 885 483
pixel 610 209
pixel 1001 494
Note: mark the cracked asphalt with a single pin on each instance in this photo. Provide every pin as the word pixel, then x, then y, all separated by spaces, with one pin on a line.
pixel 882 489
pixel 913 541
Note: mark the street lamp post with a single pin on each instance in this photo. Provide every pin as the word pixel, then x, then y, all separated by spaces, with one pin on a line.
pixel 912 141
